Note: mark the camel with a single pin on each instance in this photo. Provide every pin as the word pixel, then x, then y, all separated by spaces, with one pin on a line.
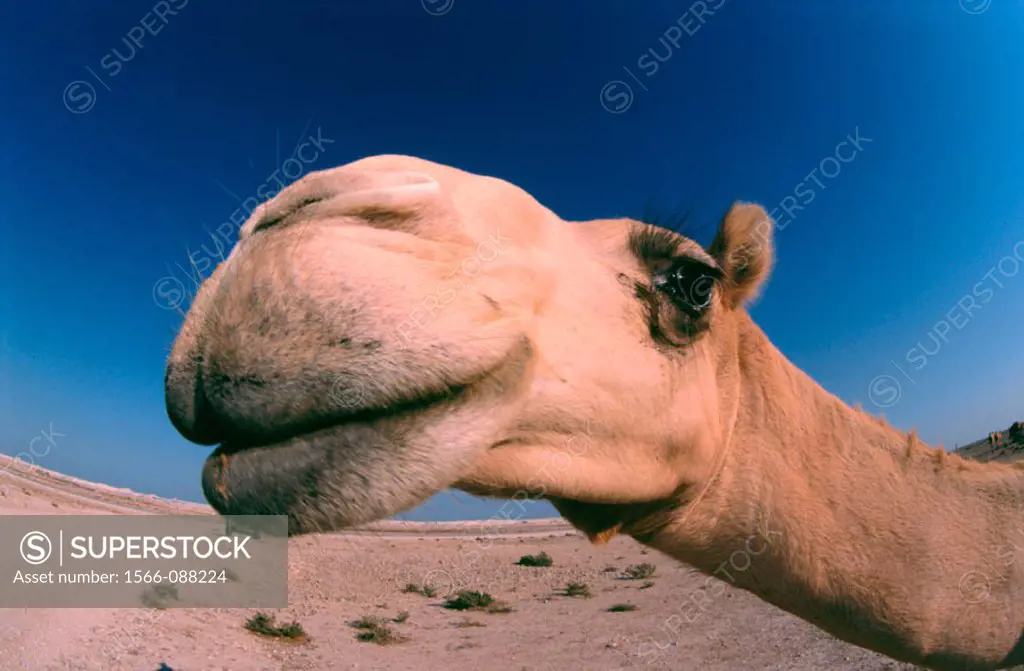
pixel 393 327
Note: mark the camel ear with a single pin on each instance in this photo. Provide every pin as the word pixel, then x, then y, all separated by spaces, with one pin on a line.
pixel 743 250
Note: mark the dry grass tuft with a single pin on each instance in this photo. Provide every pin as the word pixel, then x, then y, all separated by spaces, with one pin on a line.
pixel 263 624
pixel 472 600
pixel 639 571
pixel 376 630
pixel 542 559
pixel 575 589
pixel 467 623
pixel 425 590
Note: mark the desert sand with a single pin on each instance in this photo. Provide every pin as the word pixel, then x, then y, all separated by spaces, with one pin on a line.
pixel 335 579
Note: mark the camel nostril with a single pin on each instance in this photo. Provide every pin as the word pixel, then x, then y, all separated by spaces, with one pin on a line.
pixel 186 404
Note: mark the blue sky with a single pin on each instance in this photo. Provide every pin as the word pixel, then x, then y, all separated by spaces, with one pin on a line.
pixel 104 189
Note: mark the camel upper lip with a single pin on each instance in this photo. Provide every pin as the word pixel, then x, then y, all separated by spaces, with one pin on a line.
pixel 245 406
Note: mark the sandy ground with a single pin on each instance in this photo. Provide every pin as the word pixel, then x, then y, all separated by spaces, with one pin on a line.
pixel 336 578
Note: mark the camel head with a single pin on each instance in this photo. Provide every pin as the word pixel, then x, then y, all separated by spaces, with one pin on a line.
pixel 393 327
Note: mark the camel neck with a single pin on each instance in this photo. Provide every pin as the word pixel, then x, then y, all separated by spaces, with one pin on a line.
pixel 838 518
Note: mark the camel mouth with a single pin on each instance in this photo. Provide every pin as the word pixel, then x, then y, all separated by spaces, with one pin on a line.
pixel 371 464
pixel 286 476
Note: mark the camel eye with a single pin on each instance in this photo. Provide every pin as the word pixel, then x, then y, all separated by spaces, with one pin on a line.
pixel 690 284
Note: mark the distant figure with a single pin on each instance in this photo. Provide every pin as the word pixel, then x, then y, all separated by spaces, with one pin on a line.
pixel 994 437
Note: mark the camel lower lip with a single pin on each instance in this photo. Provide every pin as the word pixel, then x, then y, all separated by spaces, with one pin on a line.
pixel 266 480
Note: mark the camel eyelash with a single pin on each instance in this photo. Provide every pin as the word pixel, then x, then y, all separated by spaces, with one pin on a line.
pixel 652 245
pixel 677 220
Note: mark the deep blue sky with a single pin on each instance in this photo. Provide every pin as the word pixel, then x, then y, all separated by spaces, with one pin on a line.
pixel 96 207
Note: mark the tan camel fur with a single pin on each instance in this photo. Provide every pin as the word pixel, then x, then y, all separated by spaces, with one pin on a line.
pixel 393 327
